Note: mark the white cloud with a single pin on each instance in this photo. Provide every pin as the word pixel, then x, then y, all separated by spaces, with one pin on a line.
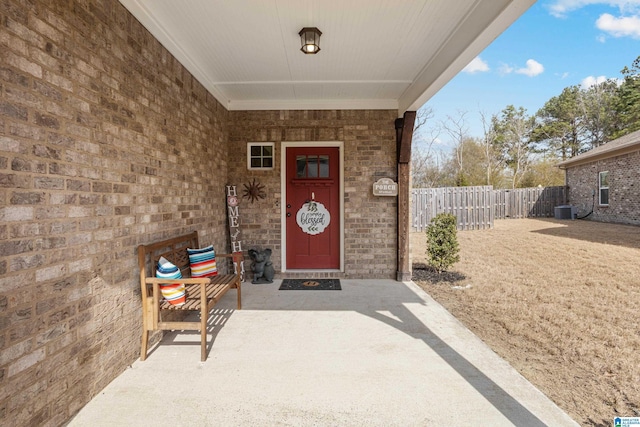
pixel 560 8
pixel 478 65
pixel 532 69
pixel 626 23
pixel 619 27
pixel 589 81
pixel 505 69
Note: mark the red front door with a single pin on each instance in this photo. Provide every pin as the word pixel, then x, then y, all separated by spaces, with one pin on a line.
pixel 313 207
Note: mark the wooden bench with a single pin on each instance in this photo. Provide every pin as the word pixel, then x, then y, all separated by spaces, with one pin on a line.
pixel 201 293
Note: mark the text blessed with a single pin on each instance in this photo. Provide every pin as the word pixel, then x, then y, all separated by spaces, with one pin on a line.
pixel 313 218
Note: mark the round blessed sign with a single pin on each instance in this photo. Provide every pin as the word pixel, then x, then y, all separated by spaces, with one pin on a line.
pixel 313 218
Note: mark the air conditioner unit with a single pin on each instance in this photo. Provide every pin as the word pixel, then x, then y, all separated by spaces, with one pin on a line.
pixel 565 212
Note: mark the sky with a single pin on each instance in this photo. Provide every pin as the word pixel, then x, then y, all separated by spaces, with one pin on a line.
pixel 555 44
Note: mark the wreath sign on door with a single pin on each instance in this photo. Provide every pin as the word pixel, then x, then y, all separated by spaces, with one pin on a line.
pixel 313 217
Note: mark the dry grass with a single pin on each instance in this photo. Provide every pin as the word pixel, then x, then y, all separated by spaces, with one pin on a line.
pixel 559 300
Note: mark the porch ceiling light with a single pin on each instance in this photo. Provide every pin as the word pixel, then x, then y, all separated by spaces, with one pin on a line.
pixel 310 39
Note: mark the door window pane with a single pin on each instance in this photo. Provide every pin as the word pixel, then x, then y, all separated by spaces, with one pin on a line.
pixel 301 166
pixel 323 165
pixel 312 166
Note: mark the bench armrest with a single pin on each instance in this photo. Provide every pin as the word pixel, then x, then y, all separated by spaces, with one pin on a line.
pixel 186 281
pixel 237 259
pixel 237 256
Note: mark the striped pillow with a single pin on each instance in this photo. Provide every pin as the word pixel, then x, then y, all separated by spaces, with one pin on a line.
pixel 174 293
pixel 203 262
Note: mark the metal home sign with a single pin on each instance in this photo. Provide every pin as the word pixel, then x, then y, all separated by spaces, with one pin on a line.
pixel 385 187
pixel 313 217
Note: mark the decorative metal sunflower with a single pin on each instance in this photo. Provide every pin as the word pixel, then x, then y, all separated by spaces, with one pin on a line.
pixel 253 191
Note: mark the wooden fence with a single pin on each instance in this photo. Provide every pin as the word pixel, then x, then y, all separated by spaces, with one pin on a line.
pixel 477 207
pixel 537 202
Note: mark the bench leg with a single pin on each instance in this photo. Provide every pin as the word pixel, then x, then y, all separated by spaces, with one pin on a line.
pixel 239 297
pixel 203 343
pixel 145 344
pixel 203 332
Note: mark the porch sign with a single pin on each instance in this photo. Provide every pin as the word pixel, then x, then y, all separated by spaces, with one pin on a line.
pixel 313 217
pixel 234 227
pixel 385 187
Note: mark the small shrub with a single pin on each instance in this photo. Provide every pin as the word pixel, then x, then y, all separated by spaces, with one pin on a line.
pixel 442 242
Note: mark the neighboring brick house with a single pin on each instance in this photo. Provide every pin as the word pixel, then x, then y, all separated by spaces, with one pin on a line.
pixel 109 141
pixel 605 181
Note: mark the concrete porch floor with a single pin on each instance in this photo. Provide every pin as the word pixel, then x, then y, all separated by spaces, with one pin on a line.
pixel 377 353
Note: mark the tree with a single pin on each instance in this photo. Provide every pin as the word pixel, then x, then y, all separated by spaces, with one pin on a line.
pixel 493 164
pixel 543 172
pixel 468 152
pixel 426 170
pixel 442 242
pixel 560 124
pixel 597 104
pixel 425 162
pixel 513 140
pixel 423 116
pixel 628 101
pixel 457 128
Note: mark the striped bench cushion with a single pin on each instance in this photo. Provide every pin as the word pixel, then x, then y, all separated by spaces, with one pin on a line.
pixel 175 294
pixel 203 262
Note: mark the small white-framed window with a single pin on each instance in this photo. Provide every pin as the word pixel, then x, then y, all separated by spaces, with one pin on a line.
pixel 260 155
pixel 603 188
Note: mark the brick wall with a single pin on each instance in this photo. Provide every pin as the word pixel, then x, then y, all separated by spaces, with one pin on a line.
pixel 624 188
pixel 369 154
pixel 106 142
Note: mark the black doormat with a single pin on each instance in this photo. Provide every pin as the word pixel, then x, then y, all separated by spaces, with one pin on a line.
pixel 310 284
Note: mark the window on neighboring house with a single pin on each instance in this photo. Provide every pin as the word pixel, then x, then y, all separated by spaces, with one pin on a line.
pixel 603 185
pixel 260 155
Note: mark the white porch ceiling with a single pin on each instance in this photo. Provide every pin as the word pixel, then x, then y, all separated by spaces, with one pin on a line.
pixel 375 54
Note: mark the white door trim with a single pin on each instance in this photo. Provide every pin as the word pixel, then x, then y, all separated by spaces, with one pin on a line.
pixel 283 186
